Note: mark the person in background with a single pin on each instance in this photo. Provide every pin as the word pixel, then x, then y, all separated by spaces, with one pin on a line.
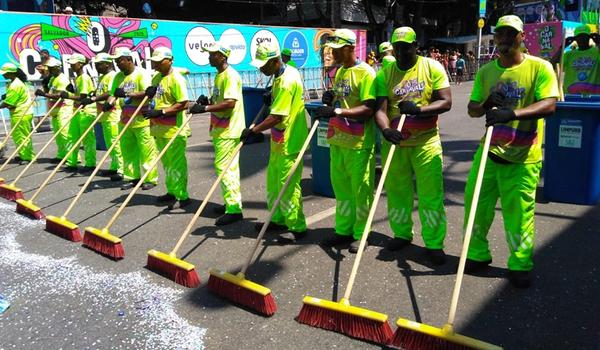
pixel 386 54
pixel 286 57
pixel 582 65
pixel 460 68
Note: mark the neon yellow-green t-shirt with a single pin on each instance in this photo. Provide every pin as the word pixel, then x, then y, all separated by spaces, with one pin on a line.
pixel 288 135
pixel 416 84
pixel 228 124
pixel 582 71
pixel 172 89
pixel 387 60
pixel 352 87
pixel 518 141
pixel 18 99
pixel 105 83
pixel 137 81
pixel 85 85
pixel 56 85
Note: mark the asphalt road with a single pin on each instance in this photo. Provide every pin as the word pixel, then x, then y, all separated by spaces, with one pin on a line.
pixel 64 296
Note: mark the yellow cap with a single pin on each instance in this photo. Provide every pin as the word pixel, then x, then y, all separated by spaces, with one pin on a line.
pixel 510 21
pixel 404 34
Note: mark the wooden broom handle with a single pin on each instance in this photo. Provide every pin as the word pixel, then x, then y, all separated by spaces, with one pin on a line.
pixel 29 135
pixel 74 148
pixel 212 189
pixel 145 176
pixel 367 230
pixel 106 155
pixel 470 221
pixel 39 153
pixel 279 196
pixel 13 128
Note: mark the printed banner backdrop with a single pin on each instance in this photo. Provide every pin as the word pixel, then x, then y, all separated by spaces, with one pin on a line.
pixel 545 39
pixel 24 34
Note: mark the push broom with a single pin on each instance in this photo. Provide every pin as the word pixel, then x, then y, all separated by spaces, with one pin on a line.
pixel 412 335
pixel 341 316
pixel 11 191
pixel 26 207
pixel 167 264
pixel 60 225
pixel 101 240
pixel 237 288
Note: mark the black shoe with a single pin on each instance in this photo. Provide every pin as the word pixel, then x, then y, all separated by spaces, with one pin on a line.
pixel 55 160
pixel 353 249
pixel 116 177
pixel 290 237
pixel 148 186
pixel 219 210
pixel 227 219
pixel 520 279
pixel 128 184
pixel 272 227
pixel 107 172
pixel 16 160
pixel 166 198
pixel 71 169
pixel 396 244
pixel 24 162
pixel 335 240
pixel 180 204
pixel 86 170
pixel 473 266
pixel 436 256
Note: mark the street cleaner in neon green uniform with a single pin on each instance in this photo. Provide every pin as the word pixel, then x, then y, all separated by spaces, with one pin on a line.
pixel 226 107
pixel 169 90
pixel 110 119
pixel 514 92
pixel 351 137
pixel 418 87
pixel 62 113
pixel 582 65
pixel 18 101
pixel 287 121
pixel 84 87
pixel 137 145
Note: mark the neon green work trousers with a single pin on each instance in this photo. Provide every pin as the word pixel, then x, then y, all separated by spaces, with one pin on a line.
pixel 174 162
pixel 78 125
pixel 139 151
pixel 62 139
pixel 230 184
pixel 110 130
pixel 289 212
pixel 21 135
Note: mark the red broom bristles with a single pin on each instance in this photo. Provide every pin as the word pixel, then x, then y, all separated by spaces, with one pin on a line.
pixel 264 304
pixel 10 194
pixel 351 325
pixel 72 235
pixel 408 339
pixel 103 246
pixel 181 276
pixel 34 214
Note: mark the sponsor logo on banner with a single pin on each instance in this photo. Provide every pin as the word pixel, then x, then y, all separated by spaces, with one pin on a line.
pixel 196 39
pixel 262 35
pixel 234 40
pixel 296 42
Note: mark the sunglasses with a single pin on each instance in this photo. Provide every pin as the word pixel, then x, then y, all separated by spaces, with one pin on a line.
pixel 337 39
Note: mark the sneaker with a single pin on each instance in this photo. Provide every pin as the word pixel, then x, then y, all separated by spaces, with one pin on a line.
pixel 116 177
pixel 180 204
pixel 520 279
pixel 436 256
pixel 473 266
pixel 128 184
pixel 272 227
pixel 219 210
pixel 353 249
pixel 227 219
pixel 71 169
pixel 336 239
pixel 397 243
pixel 107 172
pixel 290 237
pixel 148 186
pixel 24 162
pixel 165 198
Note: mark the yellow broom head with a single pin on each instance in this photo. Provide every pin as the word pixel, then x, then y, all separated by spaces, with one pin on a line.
pixel 26 207
pixel 175 269
pixel 63 228
pixel 10 192
pixel 239 290
pixel 103 242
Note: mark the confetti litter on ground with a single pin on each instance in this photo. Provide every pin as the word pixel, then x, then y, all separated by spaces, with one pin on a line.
pixel 59 303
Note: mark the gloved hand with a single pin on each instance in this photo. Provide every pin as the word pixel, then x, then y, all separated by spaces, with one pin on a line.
pixel 151 91
pixel 202 100
pixel 596 38
pixel 496 99
pixel 40 92
pixel 3 97
pixel 70 88
pixel 267 98
pixel 499 115
pixel 324 112
pixel 85 101
pixel 392 135
pixel 64 94
pixel 198 108
pixel 328 97
pixel 106 107
pixel 119 92
pixel 245 134
pixel 409 108
pixel 45 82
pixel 153 113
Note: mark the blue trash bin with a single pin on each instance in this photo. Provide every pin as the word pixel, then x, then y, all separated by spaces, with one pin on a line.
pixel 253 101
pixel 100 144
pixel 572 154
pixel 319 148
pixel 582 98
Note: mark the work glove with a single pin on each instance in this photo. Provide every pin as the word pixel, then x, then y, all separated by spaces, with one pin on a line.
pixel 106 107
pixel 392 135
pixel 153 113
pixel 409 108
pixel 3 97
pixel 151 91
pixel 202 100
pixel 64 94
pixel 596 38
pixel 40 92
pixel 495 99
pixel 245 134
pixel 85 101
pixel 267 98
pixel 499 116
pixel 70 88
pixel 119 92
pixel 328 97
pixel 198 108
pixel 45 82
pixel 324 112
